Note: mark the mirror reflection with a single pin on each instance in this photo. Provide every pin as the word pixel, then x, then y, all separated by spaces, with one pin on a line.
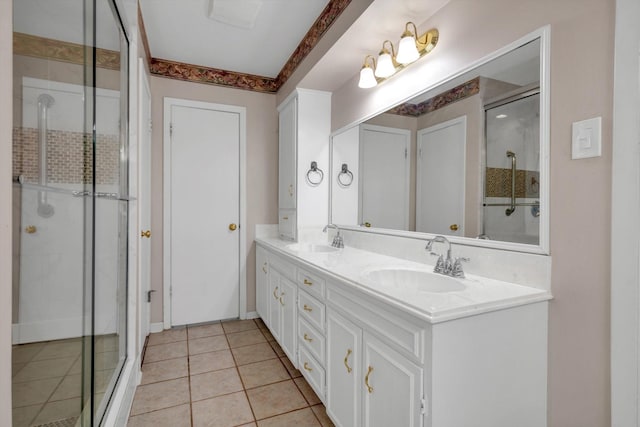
pixel 462 159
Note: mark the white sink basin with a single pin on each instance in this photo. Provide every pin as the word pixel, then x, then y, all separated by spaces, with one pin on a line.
pixel 414 280
pixel 311 247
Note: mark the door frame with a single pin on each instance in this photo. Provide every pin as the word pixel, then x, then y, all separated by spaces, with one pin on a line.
pixel 166 205
pixel 144 88
pixel 625 210
pixel 420 170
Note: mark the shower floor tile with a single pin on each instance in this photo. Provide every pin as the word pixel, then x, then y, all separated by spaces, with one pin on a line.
pixel 234 376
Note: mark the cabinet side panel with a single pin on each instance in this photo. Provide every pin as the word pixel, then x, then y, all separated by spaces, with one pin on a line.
pixel 494 366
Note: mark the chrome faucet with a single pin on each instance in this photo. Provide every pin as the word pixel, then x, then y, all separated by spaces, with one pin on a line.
pixel 449 266
pixel 337 239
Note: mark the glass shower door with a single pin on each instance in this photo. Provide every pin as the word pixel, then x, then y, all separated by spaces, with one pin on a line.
pixel 512 173
pixel 70 209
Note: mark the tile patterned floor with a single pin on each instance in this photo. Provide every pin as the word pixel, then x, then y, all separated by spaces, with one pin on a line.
pixel 46 383
pixel 222 375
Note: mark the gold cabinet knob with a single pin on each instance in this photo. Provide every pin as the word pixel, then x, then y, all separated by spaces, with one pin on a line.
pixel 367 224
pixel 232 227
pixel 453 227
pixel 146 234
pixel 307 338
pixel 306 367
pixel 30 229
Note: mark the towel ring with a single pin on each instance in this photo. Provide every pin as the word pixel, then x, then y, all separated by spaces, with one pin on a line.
pixel 314 170
pixel 345 177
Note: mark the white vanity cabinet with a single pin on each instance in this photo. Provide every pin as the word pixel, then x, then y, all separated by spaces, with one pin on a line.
pixel 369 383
pixel 262 283
pixel 376 363
pixel 282 313
pixel 303 137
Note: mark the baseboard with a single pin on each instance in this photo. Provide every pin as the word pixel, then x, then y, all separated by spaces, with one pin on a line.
pixel 252 315
pixel 156 327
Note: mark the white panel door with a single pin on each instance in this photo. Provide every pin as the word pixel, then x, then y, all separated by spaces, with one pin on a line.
pixel 344 386
pixel 384 177
pixel 205 187
pixel 144 203
pixel 440 177
pixel 392 387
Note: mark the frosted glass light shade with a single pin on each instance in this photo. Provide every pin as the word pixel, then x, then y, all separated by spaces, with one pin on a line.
pixel 407 50
pixel 367 79
pixel 385 66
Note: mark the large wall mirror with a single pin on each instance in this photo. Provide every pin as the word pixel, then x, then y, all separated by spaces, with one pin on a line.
pixel 467 159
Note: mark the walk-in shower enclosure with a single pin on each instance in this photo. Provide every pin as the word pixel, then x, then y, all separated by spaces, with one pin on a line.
pixel 70 204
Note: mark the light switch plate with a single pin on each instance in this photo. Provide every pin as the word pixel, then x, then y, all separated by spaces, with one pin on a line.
pixel 586 140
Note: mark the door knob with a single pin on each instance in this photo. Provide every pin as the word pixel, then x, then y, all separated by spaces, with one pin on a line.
pixel 453 227
pixel 146 234
pixel 232 227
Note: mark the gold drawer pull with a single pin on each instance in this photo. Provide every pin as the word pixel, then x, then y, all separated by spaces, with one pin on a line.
pixel 346 361
pixel 274 293
pixel 285 218
pixel 264 268
pixel 308 282
pixel 281 302
pixel 306 367
pixel 366 379
pixel 307 308
pixel 306 338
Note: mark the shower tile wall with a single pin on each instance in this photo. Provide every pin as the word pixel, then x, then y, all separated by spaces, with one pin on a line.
pixel 67 152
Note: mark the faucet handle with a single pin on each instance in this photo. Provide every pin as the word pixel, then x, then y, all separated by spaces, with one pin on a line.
pixel 440 265
pixel 456 269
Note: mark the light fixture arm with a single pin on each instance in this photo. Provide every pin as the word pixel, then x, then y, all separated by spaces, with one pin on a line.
pixel 365 64
pixel 384 50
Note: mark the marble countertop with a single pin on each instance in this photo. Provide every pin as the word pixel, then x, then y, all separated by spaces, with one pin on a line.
pixel 351 266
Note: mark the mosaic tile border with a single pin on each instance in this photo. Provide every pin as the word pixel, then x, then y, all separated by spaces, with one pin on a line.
pixel 498 183
pixel 41 47
pixel 458 93
pixel 200 74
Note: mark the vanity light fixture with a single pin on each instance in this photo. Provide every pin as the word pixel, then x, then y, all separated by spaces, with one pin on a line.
pixel 367 79
pixel 411 48
pixel 386 67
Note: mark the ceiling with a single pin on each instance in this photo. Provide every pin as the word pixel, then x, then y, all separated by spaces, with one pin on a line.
pixel 246 36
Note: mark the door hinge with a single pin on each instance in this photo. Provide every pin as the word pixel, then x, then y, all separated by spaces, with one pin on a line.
pixel 405 153
pixel 423 406
pixel 170 129
pixel 150 125
pixel 149 295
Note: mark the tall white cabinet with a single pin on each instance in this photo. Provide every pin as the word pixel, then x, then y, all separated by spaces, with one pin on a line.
pixel 304 128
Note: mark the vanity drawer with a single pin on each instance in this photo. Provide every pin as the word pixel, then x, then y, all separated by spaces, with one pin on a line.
pixel 287 224
pixel 311 309
pixel 285 268
pixel 400 330
pixel 312 371
pixel 312 339
pixel 311 283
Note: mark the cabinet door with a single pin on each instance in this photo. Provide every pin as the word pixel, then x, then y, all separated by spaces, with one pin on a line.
pixel 287 156
pixel 275 317
pixel 344 387
pixel 287 301
pixel 392 387
pixel 262 284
